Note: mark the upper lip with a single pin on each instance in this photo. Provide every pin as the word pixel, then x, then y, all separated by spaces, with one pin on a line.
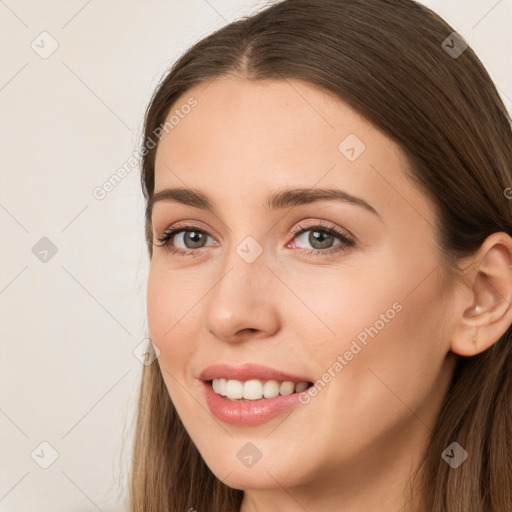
pixel 248 371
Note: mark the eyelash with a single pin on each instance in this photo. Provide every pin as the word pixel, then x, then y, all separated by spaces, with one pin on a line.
pixel 347 242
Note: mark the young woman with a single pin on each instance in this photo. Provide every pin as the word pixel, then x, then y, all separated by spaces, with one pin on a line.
pixel 328 189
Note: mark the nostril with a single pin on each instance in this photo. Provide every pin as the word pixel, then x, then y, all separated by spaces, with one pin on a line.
pixel 247 330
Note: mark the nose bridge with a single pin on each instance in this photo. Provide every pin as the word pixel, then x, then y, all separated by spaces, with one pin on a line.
pixel 247 260
pixel 240 298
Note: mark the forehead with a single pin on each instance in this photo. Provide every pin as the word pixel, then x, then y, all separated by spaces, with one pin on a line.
pixel 243 138
pixel 273 120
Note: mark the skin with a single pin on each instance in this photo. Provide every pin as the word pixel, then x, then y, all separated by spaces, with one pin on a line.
pixel 353 447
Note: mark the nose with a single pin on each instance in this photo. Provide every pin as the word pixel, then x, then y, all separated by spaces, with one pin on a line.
pixel 244 302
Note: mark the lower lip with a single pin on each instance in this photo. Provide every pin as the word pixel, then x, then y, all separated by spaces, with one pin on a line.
pixel 248 413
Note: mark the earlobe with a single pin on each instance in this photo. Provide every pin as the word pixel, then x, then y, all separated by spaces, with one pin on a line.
pixel 490 289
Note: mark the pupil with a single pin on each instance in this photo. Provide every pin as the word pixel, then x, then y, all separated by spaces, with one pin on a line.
pixel 316 235
pixel 194 234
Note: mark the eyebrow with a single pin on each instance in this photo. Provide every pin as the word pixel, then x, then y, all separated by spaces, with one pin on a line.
pixel 277 200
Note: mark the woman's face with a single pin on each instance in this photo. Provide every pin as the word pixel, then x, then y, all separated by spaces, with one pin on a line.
pixel 360 315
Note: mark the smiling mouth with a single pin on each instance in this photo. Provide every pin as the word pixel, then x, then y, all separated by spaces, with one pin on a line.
pixel 256 389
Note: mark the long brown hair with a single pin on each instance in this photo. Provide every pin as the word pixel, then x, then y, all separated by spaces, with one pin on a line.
pixel 389 60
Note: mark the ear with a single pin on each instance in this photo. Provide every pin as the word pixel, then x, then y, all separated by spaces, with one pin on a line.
pixel 487 309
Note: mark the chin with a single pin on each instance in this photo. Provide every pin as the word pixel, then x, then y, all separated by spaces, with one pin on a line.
pixel 265 473
pixel 248 478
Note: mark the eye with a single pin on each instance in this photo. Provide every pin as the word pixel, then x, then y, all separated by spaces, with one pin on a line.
pixel 321 237
pixel 192 238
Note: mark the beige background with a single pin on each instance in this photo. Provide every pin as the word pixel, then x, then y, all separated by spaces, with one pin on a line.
pixel 69 325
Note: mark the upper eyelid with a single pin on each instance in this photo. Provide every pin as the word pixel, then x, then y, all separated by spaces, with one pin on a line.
pixel 183 225
pixel 327 225
pixel 191 225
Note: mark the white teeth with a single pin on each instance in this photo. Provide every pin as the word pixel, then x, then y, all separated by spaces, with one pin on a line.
pixel 255 389
pixel 234 389
pixel 271 389
pixel 287 388
pixel 221 385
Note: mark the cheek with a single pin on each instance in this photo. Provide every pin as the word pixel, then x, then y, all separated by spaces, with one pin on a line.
pixel 391 344
pixel 374 320
pixel 340 307
pixel 172 317
pixel 401 368
pixel 159 307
